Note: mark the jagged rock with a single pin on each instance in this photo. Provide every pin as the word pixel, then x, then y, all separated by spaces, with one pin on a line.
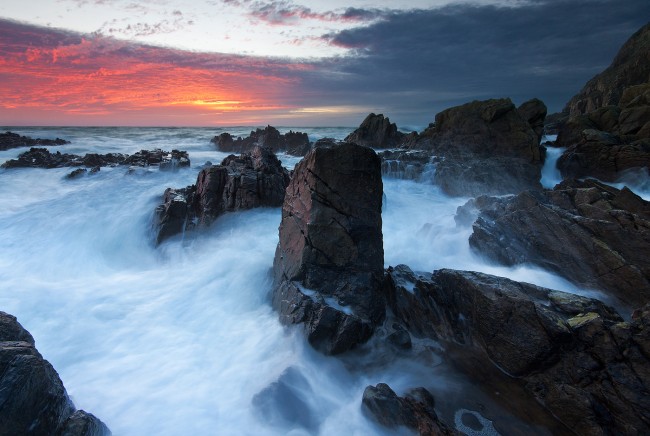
pixel 534 111
pixel 405 164
pixel 294 143
pixel 574 355
pixel 42 158
pixel 415 410
pixel 32 397
pixel 630 67
pixel 75 174
pixel 592 234
pixel 250 180
pixel 376 131
pixel 485 147
pixel 328 266
pixel 13 140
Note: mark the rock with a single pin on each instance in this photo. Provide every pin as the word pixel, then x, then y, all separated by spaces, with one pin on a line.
pixel 33 399
pixel 534 111
pixel 287 402
pixel 10 140
pixel 405 164
pixel 596 236
pixel 485 147
pixel 42 158
pixel 573 354
pixel 376 131
pixel 294 143
pixel 415 410
pixel 630 67
pixel 328 266
pixel 75 174
pixel 242 182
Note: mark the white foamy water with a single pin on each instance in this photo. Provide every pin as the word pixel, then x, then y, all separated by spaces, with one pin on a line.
pixel 179 339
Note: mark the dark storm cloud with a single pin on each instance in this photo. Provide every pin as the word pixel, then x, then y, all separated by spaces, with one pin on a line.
pixel 416 63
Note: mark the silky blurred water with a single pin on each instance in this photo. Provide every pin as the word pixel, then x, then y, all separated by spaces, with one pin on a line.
pixel 179 339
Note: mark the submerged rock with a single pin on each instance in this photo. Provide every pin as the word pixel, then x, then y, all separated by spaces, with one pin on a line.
pixel 293 143
pixel 592 234
pixel 414 411
pixel 242 182
pixel 574 355
pixel 376 131
pixel 328 266
pixel 10 140
pixel 32 397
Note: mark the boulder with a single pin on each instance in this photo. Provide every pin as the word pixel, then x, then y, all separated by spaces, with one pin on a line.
pixel 328 265
pixel 33 399
pixel 534 111
pixel 594 235
pixel 574 355
pixel 254 179
pixel 10 140
pixel 405 164
pixel 414 411
pixel 376 131
pixel 293 143
pixel 630 67
pixel 486 147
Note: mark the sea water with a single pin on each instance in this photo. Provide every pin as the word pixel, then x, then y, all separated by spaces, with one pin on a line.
pixel 179 339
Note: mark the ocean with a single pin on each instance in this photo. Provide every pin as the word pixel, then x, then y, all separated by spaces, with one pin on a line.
pixel 178 339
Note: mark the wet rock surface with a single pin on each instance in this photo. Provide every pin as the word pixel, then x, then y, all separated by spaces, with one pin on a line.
pixel 33 399
pixel 10 140
pixel 328 266
pixel 415 410
pixel 43 158
pixel 592 234
pixel 376 131
pixel 293 143
pixel 241 182
pixel 574 355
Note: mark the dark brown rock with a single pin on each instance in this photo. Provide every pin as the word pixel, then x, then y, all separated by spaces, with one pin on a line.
pixel 630 67
pixel 485 147
pixel 534 111
pixel 414 411
pixel 592 234
pixel 254 179
pixel 293 143
pixel 376 131
pixel 10 140
pixel 32 397
pixel 328 266
pixel 574 355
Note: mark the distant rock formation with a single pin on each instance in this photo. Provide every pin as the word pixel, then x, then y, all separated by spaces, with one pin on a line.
pixel 572 354
pixel 630 67
pixel 328 265
pixel 592 234
pixel 293 143
pixel 486 147
pixel 414 411
pixel 250 180
pixel 13 140
pixel 376 131
pixel 33 399
pixel 43 158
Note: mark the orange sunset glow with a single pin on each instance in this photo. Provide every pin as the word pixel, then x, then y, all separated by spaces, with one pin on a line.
pixel 57 77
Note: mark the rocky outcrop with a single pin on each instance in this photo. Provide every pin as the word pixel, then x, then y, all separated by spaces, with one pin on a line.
pixel 293 143
pixel 376 131
pixel 43 158
pixel 328 265
pixel 32 397
pixel 250 180
pixel 406 164
pixel 534 112
pixel 414 411
pixel 609 141
pixel 574 355
pixel 10 140
pixel 630 67
pixel 594 235
pixel 486 147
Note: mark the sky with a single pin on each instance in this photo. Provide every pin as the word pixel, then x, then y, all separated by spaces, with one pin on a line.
pixel 295 63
